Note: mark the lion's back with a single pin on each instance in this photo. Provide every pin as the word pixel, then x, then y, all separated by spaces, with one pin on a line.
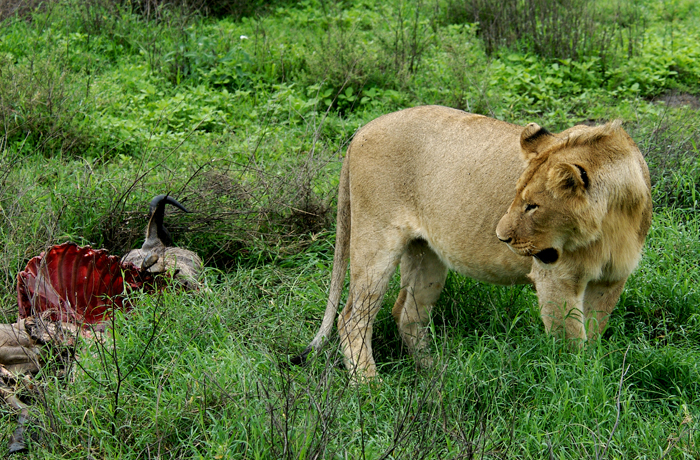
pixel 445 176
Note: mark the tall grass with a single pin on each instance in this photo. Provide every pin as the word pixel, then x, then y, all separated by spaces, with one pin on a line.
pixel 569 29
pixel 213 382
pixel 245 121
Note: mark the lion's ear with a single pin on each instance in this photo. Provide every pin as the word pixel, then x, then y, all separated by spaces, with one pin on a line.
pixel 533 139
pixel 567 179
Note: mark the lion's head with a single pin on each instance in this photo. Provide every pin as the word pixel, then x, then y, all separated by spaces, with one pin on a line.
pixel 584 186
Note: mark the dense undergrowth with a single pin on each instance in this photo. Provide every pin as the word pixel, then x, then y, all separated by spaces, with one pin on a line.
pixel 243 113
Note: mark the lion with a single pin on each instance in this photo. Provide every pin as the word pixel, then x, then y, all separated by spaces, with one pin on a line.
pixel 428 188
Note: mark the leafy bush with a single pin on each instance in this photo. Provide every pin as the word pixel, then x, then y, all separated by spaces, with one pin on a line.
pixel 357 67
pixel 41 107
pixel 459 72
pixel 663 64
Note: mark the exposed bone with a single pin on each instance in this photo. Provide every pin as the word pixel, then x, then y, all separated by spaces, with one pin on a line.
pixel 18 352
pixel 24 346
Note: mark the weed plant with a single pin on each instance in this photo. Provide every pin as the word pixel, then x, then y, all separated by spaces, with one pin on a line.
pixel 245 118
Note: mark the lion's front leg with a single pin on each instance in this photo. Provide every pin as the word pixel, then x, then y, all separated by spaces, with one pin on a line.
pixel 599 300
pixel 561 304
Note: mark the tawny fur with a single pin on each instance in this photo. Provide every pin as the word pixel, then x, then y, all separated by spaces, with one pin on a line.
pixel 18 352
pixel 431 188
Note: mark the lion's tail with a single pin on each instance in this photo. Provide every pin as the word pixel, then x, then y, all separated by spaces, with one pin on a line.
pixel 340 265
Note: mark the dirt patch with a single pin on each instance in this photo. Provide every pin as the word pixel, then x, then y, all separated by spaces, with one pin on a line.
pixel 675 99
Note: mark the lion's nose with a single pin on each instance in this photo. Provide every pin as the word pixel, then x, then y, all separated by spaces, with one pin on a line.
pixel 505 240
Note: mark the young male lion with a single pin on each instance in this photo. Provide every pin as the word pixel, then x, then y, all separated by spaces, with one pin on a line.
pixel 430 188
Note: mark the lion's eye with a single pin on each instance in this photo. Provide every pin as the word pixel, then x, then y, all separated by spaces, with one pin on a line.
pixel 530 207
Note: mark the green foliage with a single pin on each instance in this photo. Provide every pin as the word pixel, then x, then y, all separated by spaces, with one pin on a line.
pixel 41 108
pixel 244 119
pixel 664 63
pixel 371 62
pixel 661 302
pixel 670 148
pixel 210 382
pixel 681 187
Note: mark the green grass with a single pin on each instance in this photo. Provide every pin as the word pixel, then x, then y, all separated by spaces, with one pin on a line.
pixel 246 122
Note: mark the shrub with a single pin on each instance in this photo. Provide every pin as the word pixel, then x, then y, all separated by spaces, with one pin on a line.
pixel 19 8
pixel 40 106
pixel 358 66
pixel 459 72
pixel 215 8
pixel 562 29
pixel 243 208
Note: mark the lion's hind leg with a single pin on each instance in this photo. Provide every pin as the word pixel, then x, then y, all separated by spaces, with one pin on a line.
pixel 370 271
pixel 423 276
